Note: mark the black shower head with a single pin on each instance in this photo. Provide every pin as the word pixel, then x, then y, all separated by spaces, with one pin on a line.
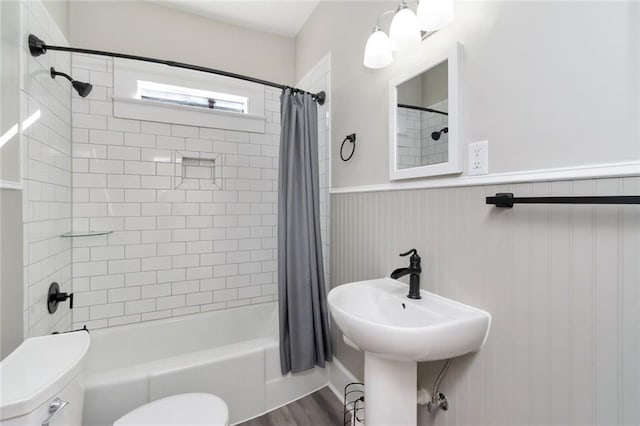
pixel 83 89
pixel 436 135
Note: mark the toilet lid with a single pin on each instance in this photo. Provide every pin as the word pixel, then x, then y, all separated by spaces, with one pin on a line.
pixel 186 409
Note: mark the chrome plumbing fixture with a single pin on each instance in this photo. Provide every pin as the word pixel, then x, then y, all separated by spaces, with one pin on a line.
pixel 438 399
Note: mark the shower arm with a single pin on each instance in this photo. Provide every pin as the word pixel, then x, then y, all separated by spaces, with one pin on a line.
pixel 38 47
pixel 55 73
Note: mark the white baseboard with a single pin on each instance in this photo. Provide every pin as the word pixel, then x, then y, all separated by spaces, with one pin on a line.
pixel 279 406
pixel 285 389
pixel 339 377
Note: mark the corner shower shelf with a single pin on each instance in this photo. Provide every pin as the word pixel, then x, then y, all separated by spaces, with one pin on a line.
pixel 85 234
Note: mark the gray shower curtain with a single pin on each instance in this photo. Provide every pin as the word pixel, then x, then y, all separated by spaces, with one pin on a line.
pixel 304 328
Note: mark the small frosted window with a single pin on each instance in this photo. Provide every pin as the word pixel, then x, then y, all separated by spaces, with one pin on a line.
pixel 190 97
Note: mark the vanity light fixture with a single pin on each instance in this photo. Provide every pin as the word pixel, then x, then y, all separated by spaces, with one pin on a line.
pixel 435 14
pixel 405 30
pixel 377 52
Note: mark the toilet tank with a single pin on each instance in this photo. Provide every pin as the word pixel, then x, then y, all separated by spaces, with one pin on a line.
pixel 44 372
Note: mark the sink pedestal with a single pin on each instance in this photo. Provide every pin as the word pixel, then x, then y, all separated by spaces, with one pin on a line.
pixel 395 333
pixel 390 391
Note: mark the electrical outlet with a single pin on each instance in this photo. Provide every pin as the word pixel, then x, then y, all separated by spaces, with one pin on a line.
pixel 479 158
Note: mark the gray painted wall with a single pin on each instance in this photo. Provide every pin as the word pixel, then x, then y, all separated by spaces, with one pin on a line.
pixel 59 11
pixel 11 284
pixel 425 89
pixel 10 90
pixel 435 85
pixel 560 282
pixel 549 84
pixel 410 92
pixel 148 29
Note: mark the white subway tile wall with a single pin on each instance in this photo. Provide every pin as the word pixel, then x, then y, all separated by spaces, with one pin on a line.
pixel 415 145
pixel 434 151
pixel 319 79
pixel 46 171
pixel 188 238
pixel 409 149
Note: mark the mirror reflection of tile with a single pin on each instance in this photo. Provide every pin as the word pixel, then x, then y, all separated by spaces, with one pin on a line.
pixel 434 151
pixel 416 145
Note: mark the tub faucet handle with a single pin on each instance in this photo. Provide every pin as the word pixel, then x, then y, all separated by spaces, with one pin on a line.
pixel 55 296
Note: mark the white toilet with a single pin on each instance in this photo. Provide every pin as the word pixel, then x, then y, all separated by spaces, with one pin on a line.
pixel 185 409
pixel 41 383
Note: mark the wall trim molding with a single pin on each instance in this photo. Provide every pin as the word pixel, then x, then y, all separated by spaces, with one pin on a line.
pixel 7 184
pixel 610 170
pixel 338 377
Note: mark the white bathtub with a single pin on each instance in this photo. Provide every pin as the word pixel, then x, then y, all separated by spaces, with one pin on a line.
pixel 231 353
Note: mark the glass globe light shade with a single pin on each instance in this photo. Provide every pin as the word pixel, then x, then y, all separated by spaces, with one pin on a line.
pixel 404 32
pixel 377 52
pixel 435 14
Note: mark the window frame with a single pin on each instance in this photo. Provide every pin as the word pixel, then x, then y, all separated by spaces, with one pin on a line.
pixel 158 92
pixel 127 103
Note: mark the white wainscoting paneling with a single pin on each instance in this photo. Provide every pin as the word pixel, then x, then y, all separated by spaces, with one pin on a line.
pixel 562 283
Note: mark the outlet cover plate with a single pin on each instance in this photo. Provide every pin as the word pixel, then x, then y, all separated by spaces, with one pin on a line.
pixel 478 163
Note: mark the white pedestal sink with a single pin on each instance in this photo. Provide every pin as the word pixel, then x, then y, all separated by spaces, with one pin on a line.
pixel 396 333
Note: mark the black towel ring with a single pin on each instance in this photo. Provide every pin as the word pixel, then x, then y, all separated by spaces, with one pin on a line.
pixel 351 138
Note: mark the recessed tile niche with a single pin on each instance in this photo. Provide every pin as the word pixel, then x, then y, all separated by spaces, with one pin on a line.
pixel 198 171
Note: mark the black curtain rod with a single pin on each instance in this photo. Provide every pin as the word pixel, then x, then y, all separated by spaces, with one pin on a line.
pixel 422 109
pixel 508 200
pixel 38 47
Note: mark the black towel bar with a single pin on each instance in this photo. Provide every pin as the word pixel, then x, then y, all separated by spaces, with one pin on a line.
pixel 507 199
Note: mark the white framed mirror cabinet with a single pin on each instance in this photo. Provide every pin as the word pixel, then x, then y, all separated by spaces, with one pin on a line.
pixel 425 118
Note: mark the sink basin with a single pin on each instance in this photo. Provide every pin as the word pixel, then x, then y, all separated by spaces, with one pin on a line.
pixel 379 318
pixel 395 333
